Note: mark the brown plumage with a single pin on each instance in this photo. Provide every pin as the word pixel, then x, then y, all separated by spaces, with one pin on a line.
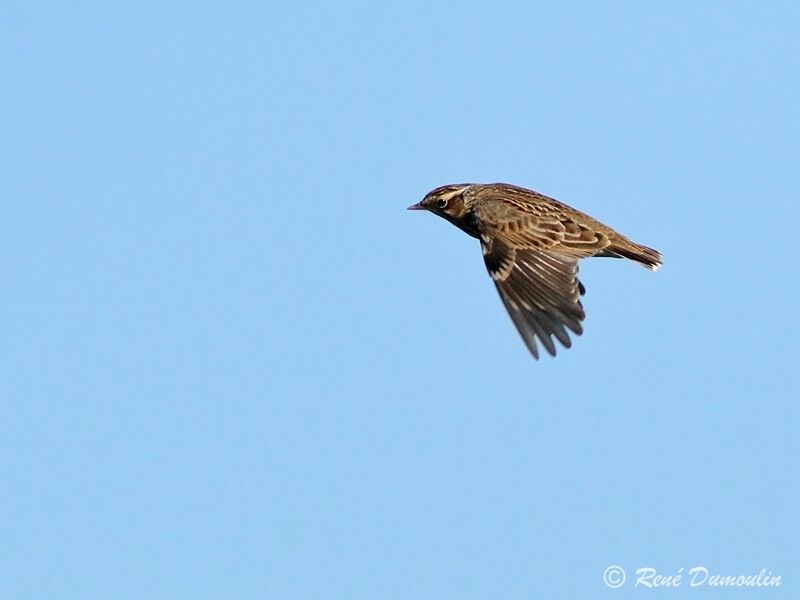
pixel 531 246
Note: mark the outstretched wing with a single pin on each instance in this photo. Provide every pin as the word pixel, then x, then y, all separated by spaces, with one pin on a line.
pixel 540 290
pixel 531 245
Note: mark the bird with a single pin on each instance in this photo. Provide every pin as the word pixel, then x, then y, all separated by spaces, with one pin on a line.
pixel 531 246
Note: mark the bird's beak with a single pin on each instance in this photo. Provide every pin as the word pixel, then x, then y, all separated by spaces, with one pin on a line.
pixel 417 206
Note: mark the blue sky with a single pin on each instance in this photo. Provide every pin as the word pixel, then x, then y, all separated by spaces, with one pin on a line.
pixel 234 366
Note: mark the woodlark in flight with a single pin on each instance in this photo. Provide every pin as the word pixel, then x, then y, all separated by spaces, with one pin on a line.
pixel 531 246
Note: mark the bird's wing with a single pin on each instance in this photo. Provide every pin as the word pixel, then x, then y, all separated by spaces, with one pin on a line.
pixel 540 290
pixel 531 245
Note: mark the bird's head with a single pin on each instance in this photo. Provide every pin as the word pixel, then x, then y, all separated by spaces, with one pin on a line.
pixel 447 201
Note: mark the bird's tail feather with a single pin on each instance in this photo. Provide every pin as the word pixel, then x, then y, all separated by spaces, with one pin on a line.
pixel 647 257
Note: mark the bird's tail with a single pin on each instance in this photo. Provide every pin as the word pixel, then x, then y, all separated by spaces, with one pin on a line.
pixel 647 257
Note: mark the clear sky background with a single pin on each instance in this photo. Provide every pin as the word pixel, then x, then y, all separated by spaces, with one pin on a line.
pixel 233 366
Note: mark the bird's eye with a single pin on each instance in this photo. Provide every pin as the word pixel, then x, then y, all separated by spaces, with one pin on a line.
pixel 441 203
